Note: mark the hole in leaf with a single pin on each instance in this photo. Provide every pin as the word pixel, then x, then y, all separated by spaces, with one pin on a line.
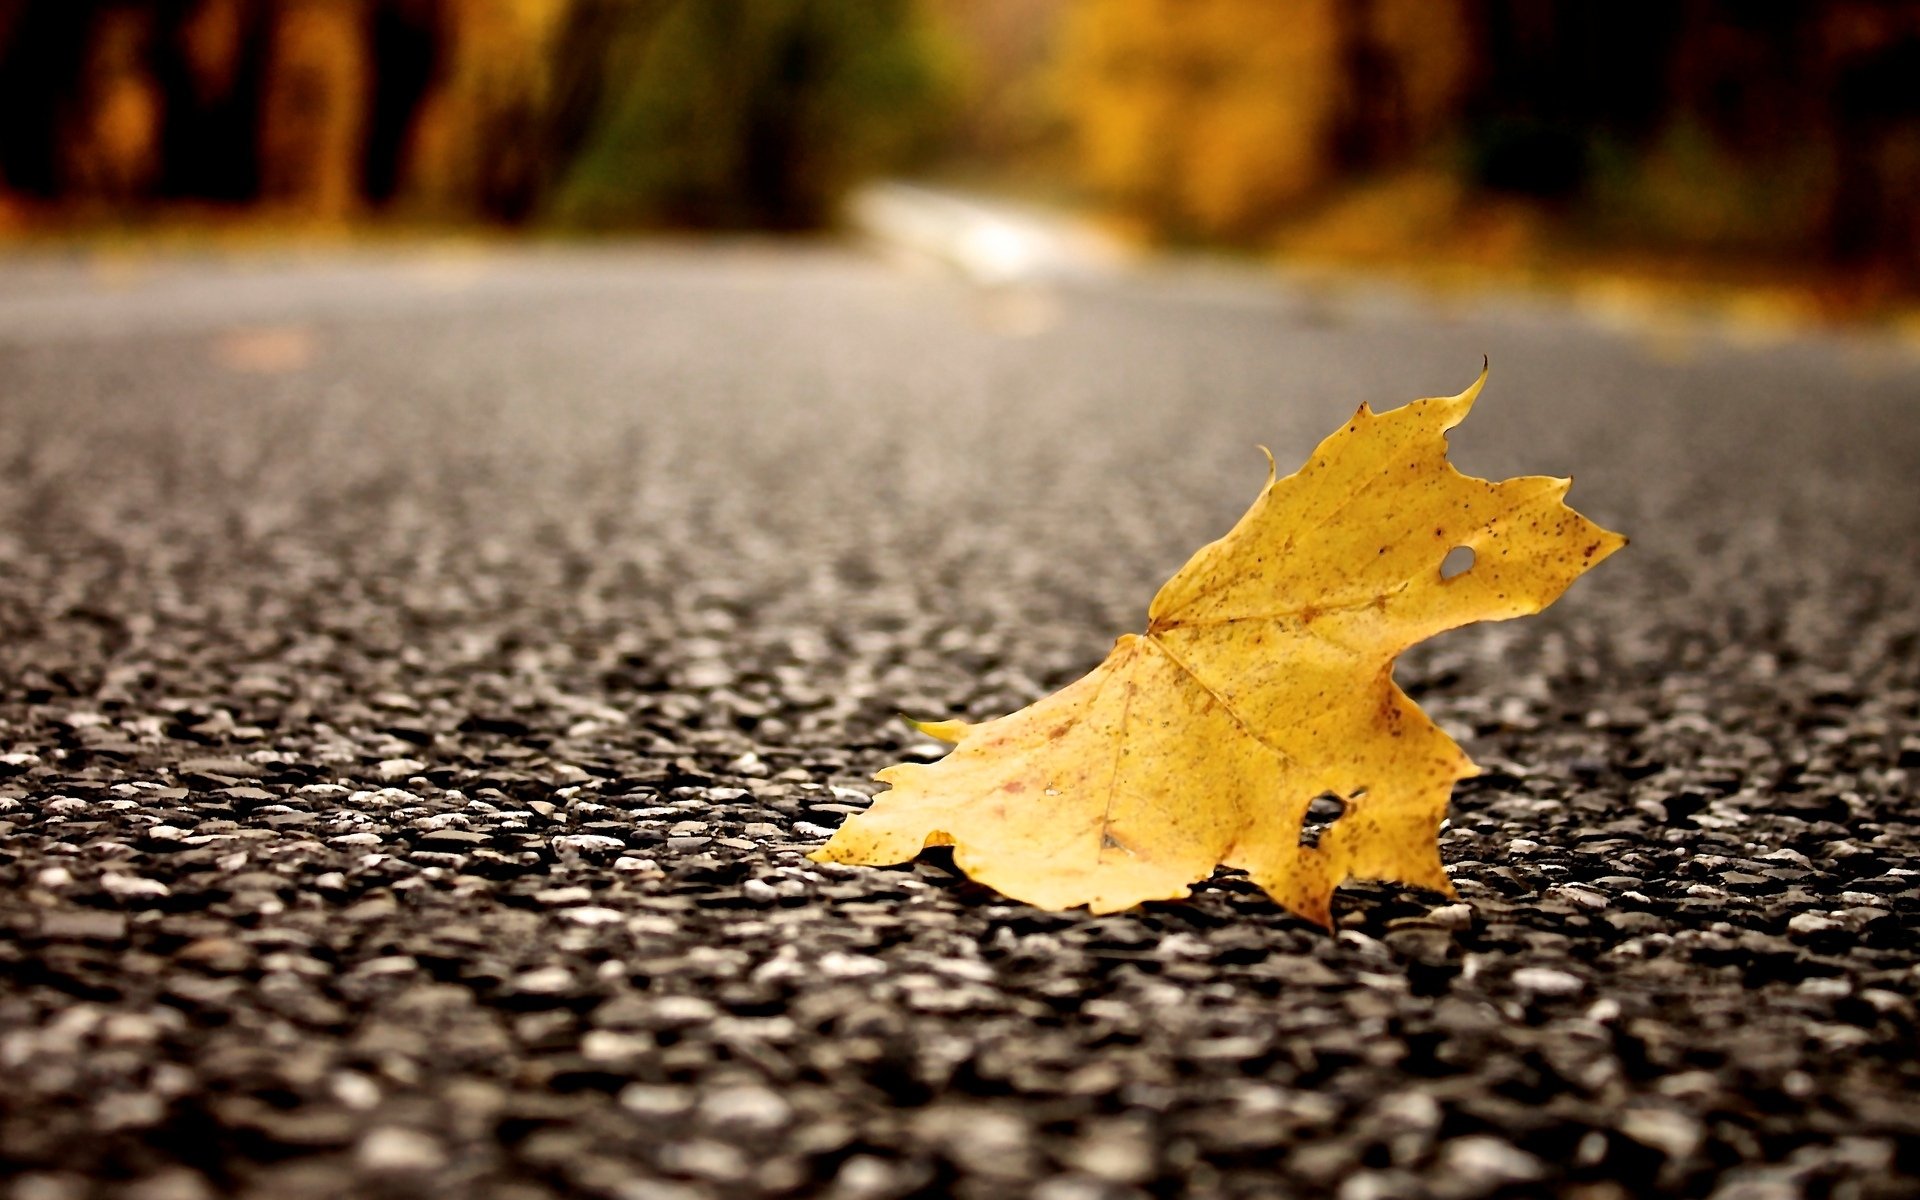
pixel 1458 561
pixel 1325 809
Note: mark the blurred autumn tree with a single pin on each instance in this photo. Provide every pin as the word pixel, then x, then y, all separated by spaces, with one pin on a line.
pixel 686 112
pixel 1790 130
pixel 1005 122
pixel 1751 130
pixel 1210 118
pixel 751 113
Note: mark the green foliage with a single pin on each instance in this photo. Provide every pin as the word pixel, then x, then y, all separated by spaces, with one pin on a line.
pixel 753 113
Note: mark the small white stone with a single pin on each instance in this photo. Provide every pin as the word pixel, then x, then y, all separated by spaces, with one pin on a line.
pixel 129 1110
pixel 593 915
pixel 1673 1134
pixel 1546 981
pixel 547 981
pixel 400 1150
pixel 1487 1162
pixel 1574 893
pixel 1409 1110
pixel 609 1046
pixel 1372 1185
pixel 1071 1187
pixel 1452 916
pixel 580 843
pixel 138 1029
pixel 1807 924
pixel 1757 1183
pixel 130 886
pixel 655 1189
pixel 978 1139
pixel 837 964
pixel 864 1176
pixel 356 1091
pixel 1118 1151
pixel 746 1106
pixel 714 1161
pixel 387 964
pixel 705 676
pixel 655 1100
pixel 683 1010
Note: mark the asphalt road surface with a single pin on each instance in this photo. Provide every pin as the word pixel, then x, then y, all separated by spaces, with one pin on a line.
pixel 423 672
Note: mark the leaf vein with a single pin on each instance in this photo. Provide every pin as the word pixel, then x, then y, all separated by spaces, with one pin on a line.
pixel 1225 707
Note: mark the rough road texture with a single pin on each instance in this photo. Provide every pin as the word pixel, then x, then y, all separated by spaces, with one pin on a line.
pixel 414 719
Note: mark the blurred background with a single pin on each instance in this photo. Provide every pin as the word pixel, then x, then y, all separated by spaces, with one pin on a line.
pixel 1662 138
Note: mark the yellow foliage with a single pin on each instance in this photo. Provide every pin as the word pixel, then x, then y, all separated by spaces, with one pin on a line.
pixel 499 74
pixel 212 39
pixel 314 111
pixel 1207 112
pixel 1219 115
pixel 1431 46
pixel 1264 680
pixel 114 148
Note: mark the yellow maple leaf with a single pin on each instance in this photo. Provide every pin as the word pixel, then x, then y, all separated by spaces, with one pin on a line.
pixel 1264 680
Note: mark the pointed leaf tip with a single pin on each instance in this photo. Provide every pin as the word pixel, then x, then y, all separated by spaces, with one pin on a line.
pixel 1472 391
pixel 939 731
pixel 1455 408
